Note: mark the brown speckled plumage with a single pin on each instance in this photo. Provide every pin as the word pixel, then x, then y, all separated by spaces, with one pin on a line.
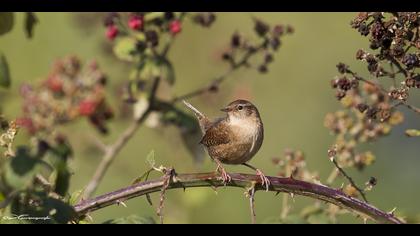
pixel 236 138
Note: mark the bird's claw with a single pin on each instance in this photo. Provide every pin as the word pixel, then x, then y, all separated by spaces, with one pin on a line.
pixel 226 178
pixel 264 180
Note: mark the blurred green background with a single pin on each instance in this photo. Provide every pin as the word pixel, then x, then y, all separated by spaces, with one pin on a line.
pixel 293 99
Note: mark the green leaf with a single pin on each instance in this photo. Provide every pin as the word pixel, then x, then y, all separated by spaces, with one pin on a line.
pixel 76 196
pixel 30 21
pixel 132 219
pixel 4 72
pixel 125 49
pixel 189 130
pixel 20 170
pixel 166 70
pixel 153 15
pixel 7 21
pixel 143 177
pixel 62 182
pixel 48 210
pixel 412 132
pixel 151 158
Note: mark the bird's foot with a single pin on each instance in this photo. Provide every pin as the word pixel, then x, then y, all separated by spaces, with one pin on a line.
pixel 224 175
pixel 264 180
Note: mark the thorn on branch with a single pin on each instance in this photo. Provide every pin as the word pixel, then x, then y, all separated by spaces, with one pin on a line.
pixel 169 175
pixel 250 193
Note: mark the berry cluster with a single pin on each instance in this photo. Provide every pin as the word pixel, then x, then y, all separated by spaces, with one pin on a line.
pixel 149 23
pixel 145 39
pixel 294 165
pixel 370 105
pixel 66 94
pixel 269 41
pixel 396 38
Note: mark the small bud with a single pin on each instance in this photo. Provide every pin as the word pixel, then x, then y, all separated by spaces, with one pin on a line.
pixel 362 107
pixel 109 19
pixel 360 54
pixel 226 56
pixel 334 83
pixel 112 32
pixel 354 83
pixel 411 61
pixel 344 84
pixel 135 22
pixel 384 114
pixel 290 29
pixel 371 113
pixel 373 181
pixel 340 95
pixel 278 31
pixel 263 69
pixel 175 27
pixel 342 68
pixel 87 107
pixel 363 29
pixel 275 43
pixel 268 58
pixel 332 153
pixel 169 15
pixel 152 37
pixel 410 82
pixel 236 40
pixel 261 28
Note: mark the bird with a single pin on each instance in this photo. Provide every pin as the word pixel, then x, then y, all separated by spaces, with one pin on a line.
pixel 233 139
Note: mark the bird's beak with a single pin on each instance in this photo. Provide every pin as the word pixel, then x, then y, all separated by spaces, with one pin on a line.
pixel 226 109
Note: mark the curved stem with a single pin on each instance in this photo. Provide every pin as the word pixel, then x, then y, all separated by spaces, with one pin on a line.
pixel 113 150
pixel 287 185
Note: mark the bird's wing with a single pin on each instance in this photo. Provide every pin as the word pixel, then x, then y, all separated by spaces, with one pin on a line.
pixel 216 134
pixel 204 122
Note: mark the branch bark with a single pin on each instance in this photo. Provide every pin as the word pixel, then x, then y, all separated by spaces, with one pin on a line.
pixel 286 185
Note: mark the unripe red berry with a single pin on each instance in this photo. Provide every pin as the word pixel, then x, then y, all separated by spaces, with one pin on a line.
pixel 175 27
pixel 26 123
pixel 87 107
pixel 55 84
pixel 112 32
pixel 135 22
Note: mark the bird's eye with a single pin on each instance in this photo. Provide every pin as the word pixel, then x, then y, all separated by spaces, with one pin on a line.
pixel 240 107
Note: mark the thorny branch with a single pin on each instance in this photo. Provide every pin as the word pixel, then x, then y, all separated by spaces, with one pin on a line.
pixel 361 191
pixel 278 184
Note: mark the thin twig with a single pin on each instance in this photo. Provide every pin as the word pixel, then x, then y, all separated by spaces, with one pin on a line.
pixel 213 86
pixel 409 106
pixel 278 184
pixel 113 150
pixel 251 195
pixel 362 193
pixel 166 181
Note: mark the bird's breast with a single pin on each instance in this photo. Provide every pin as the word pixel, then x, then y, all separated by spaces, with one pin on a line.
pixel 246 141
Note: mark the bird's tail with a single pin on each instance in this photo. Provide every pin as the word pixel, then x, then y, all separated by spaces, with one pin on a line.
pixel 204 122
pixel 196 112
